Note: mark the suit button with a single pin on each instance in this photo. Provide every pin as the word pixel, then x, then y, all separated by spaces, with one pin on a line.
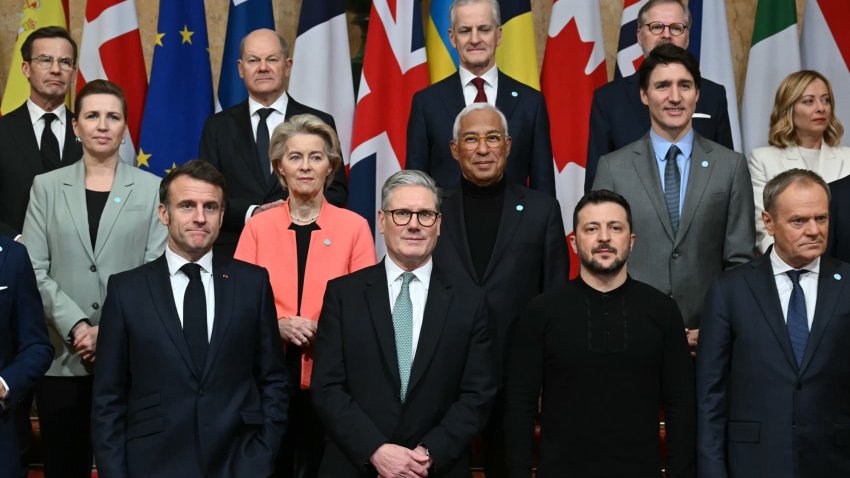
pixel 799 386
pixel 95 306
pixel 93 268
pixel 675 254
pixel 201 392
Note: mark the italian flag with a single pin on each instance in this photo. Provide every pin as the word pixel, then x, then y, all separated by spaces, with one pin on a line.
pixel 775 53
pixel 826 48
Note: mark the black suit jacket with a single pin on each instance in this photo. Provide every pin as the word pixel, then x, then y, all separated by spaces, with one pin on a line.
pixel 839 220
pixel 759 414
pixel 529 255
pixel 432 116
pixel 20 162
pixel 227 142
pixel 154 414
pixel 25 350
pixel 355 384
pixel 618 117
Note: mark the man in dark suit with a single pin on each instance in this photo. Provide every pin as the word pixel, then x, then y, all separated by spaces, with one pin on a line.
pixel 38 136
pixel 404 374
pixel 190 379
pixel 475 32
pixel 25 350
pixel 692 199
pixel 617 115
pixel 773 367
pixel 839 220
pixel 499 236
pixel 236 140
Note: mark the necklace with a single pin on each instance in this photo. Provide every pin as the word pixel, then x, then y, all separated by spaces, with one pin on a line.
pixel 303 221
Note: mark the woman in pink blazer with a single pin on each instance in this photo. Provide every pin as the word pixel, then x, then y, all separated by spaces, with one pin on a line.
pixel 304 242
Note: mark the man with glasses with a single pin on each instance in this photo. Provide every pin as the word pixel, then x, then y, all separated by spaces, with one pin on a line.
pixel 35 138
pixel 403 376
pixel 617 116
pixel 502 237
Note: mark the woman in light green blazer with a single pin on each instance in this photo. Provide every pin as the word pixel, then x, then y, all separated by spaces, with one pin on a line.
pixel 85 222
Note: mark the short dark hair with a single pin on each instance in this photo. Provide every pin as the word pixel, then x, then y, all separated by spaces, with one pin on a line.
pixel 195 169
pixel 598 197
pixel 101 87
pixel 665 54
pixel 46 32
pixel 781 181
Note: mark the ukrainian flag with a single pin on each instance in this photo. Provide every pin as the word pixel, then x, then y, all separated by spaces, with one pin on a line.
pixel 517 55
pixel 442 57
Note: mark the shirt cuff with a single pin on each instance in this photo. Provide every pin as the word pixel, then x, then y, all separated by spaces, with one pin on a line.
pixel 250 212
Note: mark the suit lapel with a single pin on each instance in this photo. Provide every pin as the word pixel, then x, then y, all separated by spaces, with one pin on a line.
pixel 122 187
pixel 697 182
pixel 763 286
pixel 433 319
pixel 646 168
pixel 243 137
pixel 72 150
pixel 641 112
pixel 224 297
pixel 507 94
pixel 162 297
pixel 456 222
pixel 378 299
pixel 74 192
pixel 452 95
pixel 830 289
pixel 831 166
pixel 513 210
pixel 25 142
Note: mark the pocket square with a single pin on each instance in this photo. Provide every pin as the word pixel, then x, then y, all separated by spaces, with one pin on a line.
pixel 701 115
pixel 3 287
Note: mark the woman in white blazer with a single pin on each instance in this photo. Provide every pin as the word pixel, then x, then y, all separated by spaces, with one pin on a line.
pixel 85 222
pixel 804 134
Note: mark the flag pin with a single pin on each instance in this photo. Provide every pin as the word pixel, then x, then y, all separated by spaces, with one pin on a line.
pixel 327 242
pixel 514 94
pixel 117 200
pixel 705 164
pixel 837 276
pixel 519 207
pixel 225 276
pixel 1 248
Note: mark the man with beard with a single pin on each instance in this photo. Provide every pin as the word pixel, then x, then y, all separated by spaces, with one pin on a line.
pixel 611 351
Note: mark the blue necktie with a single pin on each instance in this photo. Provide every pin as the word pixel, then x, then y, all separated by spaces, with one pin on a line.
pixel 403 325
pixel 797 321
pixel 672 184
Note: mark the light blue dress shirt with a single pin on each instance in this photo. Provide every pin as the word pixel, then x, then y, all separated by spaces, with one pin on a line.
pixel 683 160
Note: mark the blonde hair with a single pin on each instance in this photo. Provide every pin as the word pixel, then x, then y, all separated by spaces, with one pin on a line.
pixel 304 124
pixel 782 131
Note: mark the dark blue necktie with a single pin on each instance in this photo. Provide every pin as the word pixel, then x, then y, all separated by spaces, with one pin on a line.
pixel 263 140
pixel 195 316
pixel 672 184
pixel 797 321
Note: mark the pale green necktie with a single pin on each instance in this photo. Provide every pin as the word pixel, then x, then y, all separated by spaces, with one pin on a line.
pixel 403 325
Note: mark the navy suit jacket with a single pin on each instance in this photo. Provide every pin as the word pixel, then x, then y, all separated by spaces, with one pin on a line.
pixel 20 162
pixel 432 116
pixel 25 350
pixel 228 144
pixel 355 384
pixel 839 220
pixel 618 117
pixel 759 414
pixel 154 414
pixel 529 256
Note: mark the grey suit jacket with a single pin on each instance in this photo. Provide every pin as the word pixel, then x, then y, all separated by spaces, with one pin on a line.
pixel 716 229
pixel 71 276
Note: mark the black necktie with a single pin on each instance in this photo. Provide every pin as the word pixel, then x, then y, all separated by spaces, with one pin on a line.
pixel 49 144
pixel 263 140
pixel 195 316
pixel 672 180
pixel 480 95
pixel 797 321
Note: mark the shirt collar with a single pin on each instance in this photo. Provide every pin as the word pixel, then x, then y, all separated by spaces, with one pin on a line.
pixel 36 112
pixel 781 267
pixel 423 273
pixel 175 261
pixel 491 76
pixel 661 145
pixel 279 104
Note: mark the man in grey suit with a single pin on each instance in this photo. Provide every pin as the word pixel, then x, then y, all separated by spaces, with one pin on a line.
pixel 691 198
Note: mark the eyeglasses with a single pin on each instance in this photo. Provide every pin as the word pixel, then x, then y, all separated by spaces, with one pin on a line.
pixel 402 217
pixel 471 141
pixel 44 62
pixel 657 28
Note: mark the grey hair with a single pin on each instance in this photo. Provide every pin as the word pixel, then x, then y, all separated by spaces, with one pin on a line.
pixel 652 3
pixel 476 107
pixel 781 181
pixel 494 6
pixel 409 177
pixel 284 45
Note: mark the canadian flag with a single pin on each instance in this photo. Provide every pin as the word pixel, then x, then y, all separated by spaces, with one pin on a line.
pixel 825 47
pixel 573 66
pixel 111 49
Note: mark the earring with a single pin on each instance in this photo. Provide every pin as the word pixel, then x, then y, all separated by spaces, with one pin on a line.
pixel 123 140
pixel 77 139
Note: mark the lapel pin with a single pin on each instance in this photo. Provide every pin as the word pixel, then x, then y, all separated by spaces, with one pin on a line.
pixel 705 164
pixel 837 276
pixel 519 207
pixel 514 94
pixel 117 200
pixel 225 276
pixel 1 248
pixel 327 242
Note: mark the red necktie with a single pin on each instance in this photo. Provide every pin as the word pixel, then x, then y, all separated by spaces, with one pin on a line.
pixel 480 97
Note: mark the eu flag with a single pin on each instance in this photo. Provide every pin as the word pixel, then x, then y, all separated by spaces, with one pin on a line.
pixel 180 96
pixel 244 17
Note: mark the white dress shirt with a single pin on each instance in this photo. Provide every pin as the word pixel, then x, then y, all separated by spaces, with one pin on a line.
pixel 179 282
pixel 58 125
pixel 808 282
pixel 491 85
pixel 418 289
pixel 275 119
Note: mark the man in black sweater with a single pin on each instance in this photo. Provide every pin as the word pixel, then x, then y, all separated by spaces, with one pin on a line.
pixel 611 351
pixel 502 237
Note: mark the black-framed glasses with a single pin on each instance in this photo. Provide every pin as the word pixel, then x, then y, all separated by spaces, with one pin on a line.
pixel 402 217
pixel 657 28
pixel 44 62
pixel 492 140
